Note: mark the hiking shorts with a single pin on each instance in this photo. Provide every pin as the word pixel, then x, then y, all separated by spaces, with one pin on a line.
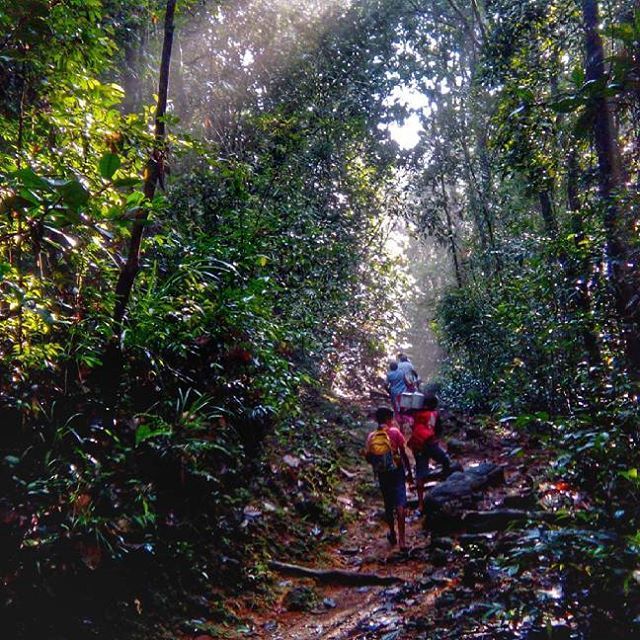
pixel 394 490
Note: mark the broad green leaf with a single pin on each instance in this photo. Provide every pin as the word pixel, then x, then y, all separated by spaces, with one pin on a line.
pixel 31 180
pixel 136 198
pixel 5 268
pixel 109 164
pixel 566 105
pixel 127 182
pixel 74 194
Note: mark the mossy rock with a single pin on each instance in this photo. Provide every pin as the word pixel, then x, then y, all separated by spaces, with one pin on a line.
pixel 301 599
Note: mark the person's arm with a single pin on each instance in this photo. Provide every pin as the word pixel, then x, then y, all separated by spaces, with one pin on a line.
pixel 405 458
pixel 407 464
pixel 365 451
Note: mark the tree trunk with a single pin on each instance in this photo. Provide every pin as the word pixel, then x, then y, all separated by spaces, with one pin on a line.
pixel 579 272
pixel 480 187
pixel 573 197
pixel 451 233
pixel 621 268
pixel 485 176
pixel 131 77
pixel 154 173
pixel 546 210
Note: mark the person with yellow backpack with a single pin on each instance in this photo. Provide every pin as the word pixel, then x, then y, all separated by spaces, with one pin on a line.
pixel 385 450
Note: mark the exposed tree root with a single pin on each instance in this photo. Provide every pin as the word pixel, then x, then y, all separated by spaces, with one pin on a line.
pixel 336 576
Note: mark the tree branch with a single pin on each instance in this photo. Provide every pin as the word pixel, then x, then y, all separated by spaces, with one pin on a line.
pixel 465 23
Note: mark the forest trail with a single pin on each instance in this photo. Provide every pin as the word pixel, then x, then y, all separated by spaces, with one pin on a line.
pixel 438 592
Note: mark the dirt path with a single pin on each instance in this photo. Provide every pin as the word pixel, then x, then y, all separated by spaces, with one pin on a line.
pixel 440 596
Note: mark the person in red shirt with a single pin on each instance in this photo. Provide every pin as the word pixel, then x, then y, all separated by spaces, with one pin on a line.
pixel 424 444
pixel 387 443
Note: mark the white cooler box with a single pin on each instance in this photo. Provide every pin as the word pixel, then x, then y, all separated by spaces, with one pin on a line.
pixel 412 400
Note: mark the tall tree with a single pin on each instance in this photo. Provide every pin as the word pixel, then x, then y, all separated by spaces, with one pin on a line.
pixel 618 222
pixel 153 175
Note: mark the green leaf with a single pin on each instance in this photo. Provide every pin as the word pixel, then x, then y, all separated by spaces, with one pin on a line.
pixel 566 105
pixel 630 474
pixel 578 76
pixel 74 194
pixel 623 31
pixel 136 198
pixel 31 180
pixel 144 432
pixel 522 108
pixel 109 164
pixel 30 196
pixel 594 88
pixel 14 203
pixel 12 461
pixel 127 182
pixel 5 268
pixel 63 217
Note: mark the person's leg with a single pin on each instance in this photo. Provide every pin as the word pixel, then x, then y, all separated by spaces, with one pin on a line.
pixel 439 455
pixel 420 491
pixel 401 505
pixel 395 403
pixel 401 514
pixel 389 507
pixel 401 418
pixel 391 536
pixel 422 471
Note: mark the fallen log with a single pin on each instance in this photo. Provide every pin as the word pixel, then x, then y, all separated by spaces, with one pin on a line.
pixel 500 519
pixel 461 485
pixel 495 520
pixel 336 576
pixel 444 503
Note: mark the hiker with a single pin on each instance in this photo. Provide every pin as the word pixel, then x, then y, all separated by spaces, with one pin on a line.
pixel 396 386
pixel 424 443
pixel 385 450
pixel 411 377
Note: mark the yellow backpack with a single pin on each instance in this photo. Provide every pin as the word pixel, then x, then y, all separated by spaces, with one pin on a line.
pixel 380 452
